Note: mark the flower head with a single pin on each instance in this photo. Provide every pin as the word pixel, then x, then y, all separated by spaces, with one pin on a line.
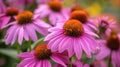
pixel 8 16
pixel 25 17
pixel 25 27
pixel 55 5
pixel 40 57
pixel 53 9
pixel 79 15
pixel 110 47
pixel 73 28
pixel 105 25
pixel 73 37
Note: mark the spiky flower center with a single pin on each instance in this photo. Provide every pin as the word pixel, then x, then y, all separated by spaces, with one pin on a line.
pixel 113 42
pixel 79 15
pixel 55 5
pixel 73 28
pixel 12 11
pixel 25 17
pixel 41 52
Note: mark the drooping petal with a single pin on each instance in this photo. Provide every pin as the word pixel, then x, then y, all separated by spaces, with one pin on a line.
pixel 58 60
pixel 52 35
pixel 25 55
pixel 85 46
pixel 46 63
pixel 77 49
pixel 39 64
pixel 31 32
pixel 10 32
pixel 20 36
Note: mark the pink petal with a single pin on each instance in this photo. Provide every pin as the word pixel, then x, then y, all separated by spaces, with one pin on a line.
pixel 77 48
pixel 39 64
pixel 64 58
pixel 5 21
pixel 53 44
pixel 58 60
pixel 55 17
pixel 15 35
pixel 70 47
pixel 52 35
pixel 31 32
pixel 20 36
pixel 25 55
pixel 43 11
pixel 63 44
pixel 9 34
pixel 41 23
pixel 46 63
pixel 26 36
pixel 85 46
pixel 42 31
pixel 24 62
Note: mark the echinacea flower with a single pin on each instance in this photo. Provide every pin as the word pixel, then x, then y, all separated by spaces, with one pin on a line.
pixel 8 16
pixel 2 7
pixel 25 27
pixel 53 10
pixel 105 25
pixel 76 63
pixel 40 57
pixel 82 16
pixel 111 49
pixel 73 37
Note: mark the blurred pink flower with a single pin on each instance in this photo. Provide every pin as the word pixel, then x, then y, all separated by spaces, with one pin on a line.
pixel 2 7
pixel 99 63
pixel 25 27
pixel 19 3
pixel 40 57
pixel 73 37
pixel 53 10
pixel 110 48
pixel 105 25
pixel 76 63
pixel 7 16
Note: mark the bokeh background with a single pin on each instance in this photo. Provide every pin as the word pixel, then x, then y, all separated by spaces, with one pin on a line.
pixel 8 54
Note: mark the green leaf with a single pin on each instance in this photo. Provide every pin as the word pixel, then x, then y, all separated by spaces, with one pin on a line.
pixel 9 52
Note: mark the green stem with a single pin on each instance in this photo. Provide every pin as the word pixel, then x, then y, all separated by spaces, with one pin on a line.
pixel 109 61
pixel 71 60
pixel 17 47
pixel 29 45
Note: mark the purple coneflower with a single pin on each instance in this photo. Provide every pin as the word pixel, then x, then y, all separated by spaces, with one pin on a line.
pixel 105 25
pixel 82 16
pixel 110 48
pixel 8 16
pixel 25 27
pixel 40 57
pixel 53 10
pixel 73 37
